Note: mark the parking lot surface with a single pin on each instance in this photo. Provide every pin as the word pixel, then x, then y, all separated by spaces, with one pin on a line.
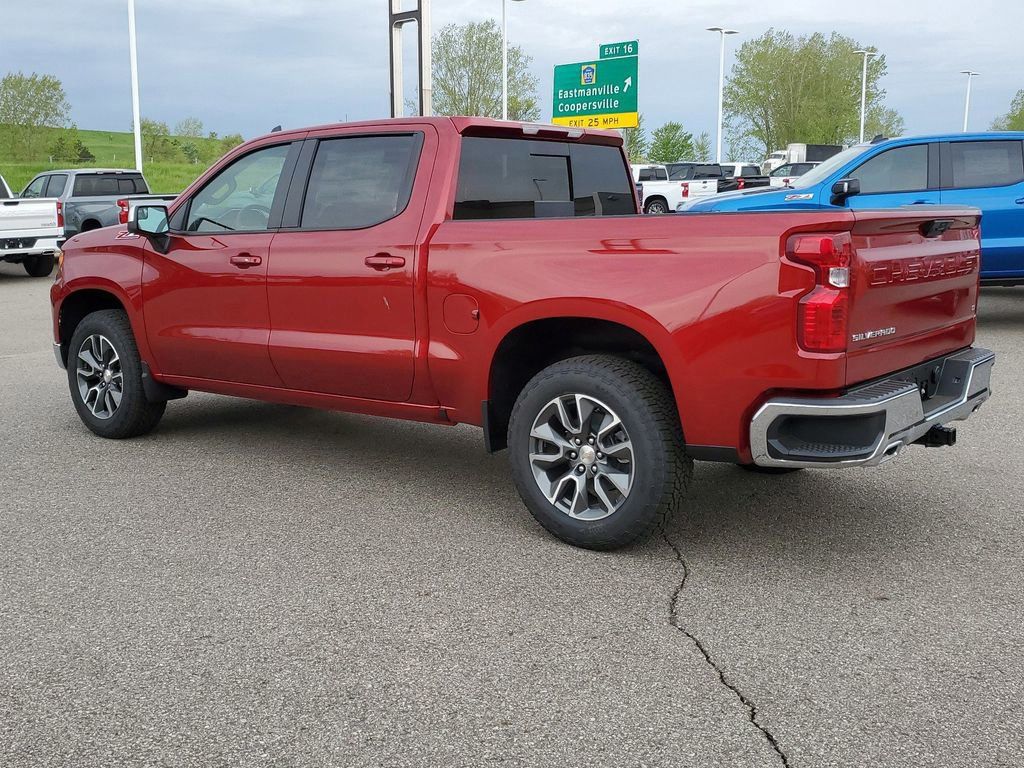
pixel 258 584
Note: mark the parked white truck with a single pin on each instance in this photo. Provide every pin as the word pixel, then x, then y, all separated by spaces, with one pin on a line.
pixel 666 186
pixel 29 231
pixel 799 153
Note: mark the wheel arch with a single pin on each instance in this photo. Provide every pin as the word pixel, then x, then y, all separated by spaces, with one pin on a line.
pixel 80 303
pixel 527 347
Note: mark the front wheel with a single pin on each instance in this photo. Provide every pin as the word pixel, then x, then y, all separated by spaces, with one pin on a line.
pixel 657 207
pixel 105 378
pixel 39 265
pixel 597 452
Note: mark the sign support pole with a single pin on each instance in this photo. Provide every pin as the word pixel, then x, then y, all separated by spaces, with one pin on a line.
pixel 397 18
pixel 134 59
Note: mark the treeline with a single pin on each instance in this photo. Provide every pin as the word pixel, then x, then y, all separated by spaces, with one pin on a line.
pixel 35 126
pixel 186 143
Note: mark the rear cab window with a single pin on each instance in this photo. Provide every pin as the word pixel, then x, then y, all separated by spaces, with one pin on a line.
pixel 505 178
pixel 108 184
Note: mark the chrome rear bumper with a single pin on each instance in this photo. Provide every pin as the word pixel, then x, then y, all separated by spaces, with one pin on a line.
pixel 872 423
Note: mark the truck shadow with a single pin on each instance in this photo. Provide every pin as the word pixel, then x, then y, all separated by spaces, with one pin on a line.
pixel 728 513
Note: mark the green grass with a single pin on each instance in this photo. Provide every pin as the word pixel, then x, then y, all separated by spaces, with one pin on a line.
pixel 113 149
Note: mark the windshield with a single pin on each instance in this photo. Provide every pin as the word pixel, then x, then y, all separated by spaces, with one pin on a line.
pixel 826 169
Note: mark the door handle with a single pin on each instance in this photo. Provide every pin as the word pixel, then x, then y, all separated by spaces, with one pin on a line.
pixel 246 260
pixel 922 202
pixel 382 262
pixel 1020 201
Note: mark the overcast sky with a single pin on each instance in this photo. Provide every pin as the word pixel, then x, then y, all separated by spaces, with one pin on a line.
pixel 247 65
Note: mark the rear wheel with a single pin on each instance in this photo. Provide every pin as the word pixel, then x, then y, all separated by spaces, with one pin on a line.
pixel 39 265
pixel 597 451
pixel 656 206
pixel 105 378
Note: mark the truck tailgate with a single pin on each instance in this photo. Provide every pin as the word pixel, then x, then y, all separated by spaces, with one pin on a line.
pixel 914 288
pixel 28 218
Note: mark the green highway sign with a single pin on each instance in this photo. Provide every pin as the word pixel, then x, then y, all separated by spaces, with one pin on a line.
pixel 600 93
pixel 615 50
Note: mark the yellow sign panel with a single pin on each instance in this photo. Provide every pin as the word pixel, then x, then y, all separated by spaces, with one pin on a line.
pixel 618 120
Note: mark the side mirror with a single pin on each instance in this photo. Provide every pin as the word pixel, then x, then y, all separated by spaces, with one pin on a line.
pixel 150 220
pixel 844 189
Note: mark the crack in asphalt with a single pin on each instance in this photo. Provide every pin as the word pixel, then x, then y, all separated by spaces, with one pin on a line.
pixel 675 621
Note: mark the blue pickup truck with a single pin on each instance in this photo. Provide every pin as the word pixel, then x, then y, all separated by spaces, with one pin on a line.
pixel 983 170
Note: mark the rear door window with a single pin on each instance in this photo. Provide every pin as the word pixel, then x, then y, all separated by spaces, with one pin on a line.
pixel 902 169
pixel 55 186
pixel 528 178
pixel 360 181
pixel 986 163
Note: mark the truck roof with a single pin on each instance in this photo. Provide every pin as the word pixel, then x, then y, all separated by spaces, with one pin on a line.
pixel 474 126
pixel 83 171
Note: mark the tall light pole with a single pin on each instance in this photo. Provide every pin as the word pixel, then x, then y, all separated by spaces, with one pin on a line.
pixel 504 57
pixel 864 88
pixel 721 84
pixel 967 102
pixel 134 58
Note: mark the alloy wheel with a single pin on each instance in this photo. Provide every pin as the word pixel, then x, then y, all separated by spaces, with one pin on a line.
pixel 581 457
pixel 99 376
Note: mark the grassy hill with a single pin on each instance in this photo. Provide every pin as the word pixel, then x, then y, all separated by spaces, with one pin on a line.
pixel 113 149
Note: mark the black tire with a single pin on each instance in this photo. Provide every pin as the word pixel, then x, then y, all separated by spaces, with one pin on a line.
pixel 656 207
pixel 135 415
pixel 757 469
pixel 661 470
pixel 40 265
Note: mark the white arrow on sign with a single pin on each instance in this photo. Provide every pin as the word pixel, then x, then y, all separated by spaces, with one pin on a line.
pixel 629 82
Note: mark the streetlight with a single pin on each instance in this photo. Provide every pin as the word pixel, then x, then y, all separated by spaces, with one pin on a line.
pixel 134 59
pixel 864 87
pixel 721 84
pixel 967 103
pixel 504 57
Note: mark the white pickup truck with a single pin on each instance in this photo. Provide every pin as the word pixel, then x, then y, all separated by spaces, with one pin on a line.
pixel 666 186
pixel 29 231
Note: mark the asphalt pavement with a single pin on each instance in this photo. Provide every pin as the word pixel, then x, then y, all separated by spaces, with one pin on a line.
pixel 263 585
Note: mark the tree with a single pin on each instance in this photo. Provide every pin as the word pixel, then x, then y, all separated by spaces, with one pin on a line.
pixel 155 139
pixel 28 104
pixel 190 127
pixel 1014 119
pixel 467 73
pixel 786 89
pixel 636 142
pixel 230 141
pixel 670 143
pixel 69 147
pixel 702 148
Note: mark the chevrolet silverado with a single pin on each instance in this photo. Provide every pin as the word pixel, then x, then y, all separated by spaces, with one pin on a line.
pixel 466 270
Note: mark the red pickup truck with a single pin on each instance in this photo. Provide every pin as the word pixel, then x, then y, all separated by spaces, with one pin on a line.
pixel 464 270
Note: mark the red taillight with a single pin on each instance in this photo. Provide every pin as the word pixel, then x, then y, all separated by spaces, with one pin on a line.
pixel 60 214
pixel 741 184
pixel 685 189
pixel 823 313
pixel 122 211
